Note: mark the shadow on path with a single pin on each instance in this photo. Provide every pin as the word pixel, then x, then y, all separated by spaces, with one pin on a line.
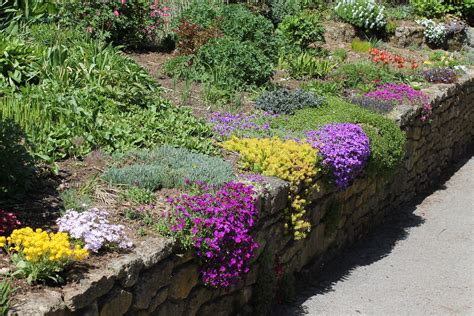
pixel 373 247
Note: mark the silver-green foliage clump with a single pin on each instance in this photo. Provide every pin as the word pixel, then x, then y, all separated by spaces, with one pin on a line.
pixel 285 101
pixel 168 167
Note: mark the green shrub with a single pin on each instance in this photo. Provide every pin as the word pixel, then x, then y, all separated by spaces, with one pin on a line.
pixel 360 46
pixel 365 14
pixel 241 61
pixel 6 290
pixel 284 101
pixel 16 163
pixel 133 23
pixel 302 29
pixel 240 24
pixel 340 54
pixel 365 75
pixel 279 9
pixel 428 8
pixel 168 167
pixel 202 13
pixel 308 65
pixel 386 138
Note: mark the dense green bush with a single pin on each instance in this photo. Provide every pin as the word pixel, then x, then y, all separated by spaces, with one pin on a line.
pixel 279 9
pixel 130 23
pixel 325 88
pixel 239 23
pixel 168 167
pixel 202 13
pixel 240 61
pixel 286 101
pixel 386 138
pixel 178 67
pixel 16 164
pixel 302 29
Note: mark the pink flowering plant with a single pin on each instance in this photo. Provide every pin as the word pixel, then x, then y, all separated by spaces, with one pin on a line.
pixel 217 223
pixel 93 228
pixel 399 93
pixel 8 222
pixel 134 23
pixel 345 149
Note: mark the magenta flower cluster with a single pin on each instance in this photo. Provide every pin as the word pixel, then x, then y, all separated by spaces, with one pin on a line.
pixel 400 93
pixel 8 222
pixel 224 124
pixel 219 222
pixel 345 149
pixel 94 229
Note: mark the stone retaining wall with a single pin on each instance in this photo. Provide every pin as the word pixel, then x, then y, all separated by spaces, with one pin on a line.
pixel 157 280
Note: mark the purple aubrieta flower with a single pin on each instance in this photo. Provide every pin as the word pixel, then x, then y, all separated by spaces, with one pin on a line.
pixel 224 124
pixel 94 229
pixel 220 222
pixel 345 149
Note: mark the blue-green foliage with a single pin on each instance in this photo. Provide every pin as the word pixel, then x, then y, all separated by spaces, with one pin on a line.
pixel 168 167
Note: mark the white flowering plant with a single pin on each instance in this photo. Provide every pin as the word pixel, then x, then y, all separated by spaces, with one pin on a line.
pixel 435 33
pixel 365 14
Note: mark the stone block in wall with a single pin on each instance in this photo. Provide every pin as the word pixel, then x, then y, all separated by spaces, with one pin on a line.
pixel 198 297
pixel 184 279
pixel 89 289
pixel 150 282
pixel 158 299
pixel 170 309
pixel 277 198
pixel 162 248
pixel 127 269
pixel 116 303
pixel 43 303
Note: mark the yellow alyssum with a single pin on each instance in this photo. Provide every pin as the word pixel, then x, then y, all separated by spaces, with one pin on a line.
pixel 289 160
pixel 37 245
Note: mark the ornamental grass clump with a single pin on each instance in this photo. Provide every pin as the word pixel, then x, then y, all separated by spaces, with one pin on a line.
pixel 93 228
pixel 402 93
pixel 289 160
pixel 41 256
pixel 345 149
pixel 218 224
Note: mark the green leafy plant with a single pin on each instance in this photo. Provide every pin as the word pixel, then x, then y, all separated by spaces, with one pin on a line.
pixel 168 167
pixel 19 63
pixel 240 61
pixel 308 65
pixel 302 29
pixel 137 195
pixel 287 101
pixel 339 54
pixel 6 290
pixel 279 9
pixel 179 67
pixel 428 8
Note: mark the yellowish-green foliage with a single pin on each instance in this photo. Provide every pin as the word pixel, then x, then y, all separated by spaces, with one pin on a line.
pixel 289 160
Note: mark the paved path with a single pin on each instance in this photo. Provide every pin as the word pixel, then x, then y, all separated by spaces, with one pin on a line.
pixel 419 263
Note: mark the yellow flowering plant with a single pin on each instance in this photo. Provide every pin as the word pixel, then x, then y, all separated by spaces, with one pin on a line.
pixel 39 255
pixel 295 162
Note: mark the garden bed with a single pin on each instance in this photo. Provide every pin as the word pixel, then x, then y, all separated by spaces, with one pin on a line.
pixel 203 174
pixel 157 278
